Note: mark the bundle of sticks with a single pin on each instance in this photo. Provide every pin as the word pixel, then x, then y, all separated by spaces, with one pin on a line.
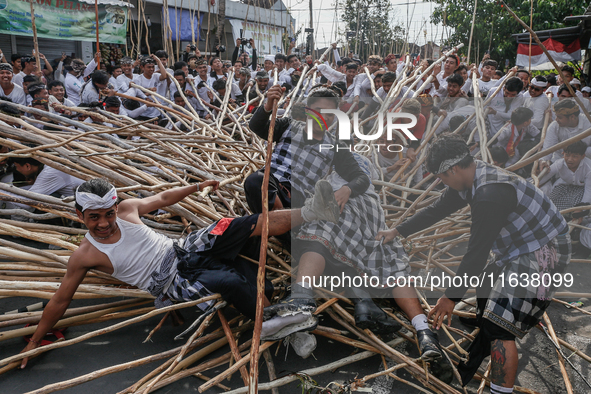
pixel 223 149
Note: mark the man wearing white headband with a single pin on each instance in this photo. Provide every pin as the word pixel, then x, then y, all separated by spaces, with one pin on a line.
pixel 121 245
pixel 527 236
pixel 536 100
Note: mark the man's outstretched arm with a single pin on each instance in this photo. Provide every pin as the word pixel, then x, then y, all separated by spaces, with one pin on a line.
pixel 163 199
pixel 59 302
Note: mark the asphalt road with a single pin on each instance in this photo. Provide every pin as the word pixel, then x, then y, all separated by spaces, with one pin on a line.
pixel 538 366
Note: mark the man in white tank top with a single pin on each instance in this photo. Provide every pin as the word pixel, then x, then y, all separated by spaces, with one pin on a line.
pixel 119 244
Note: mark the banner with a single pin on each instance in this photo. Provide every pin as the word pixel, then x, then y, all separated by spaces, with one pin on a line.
pixel 267 38
pixel 559 52
pixel 64 20
pixel 184 24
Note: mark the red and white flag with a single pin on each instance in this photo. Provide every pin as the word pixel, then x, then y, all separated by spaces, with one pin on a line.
pixel 559 52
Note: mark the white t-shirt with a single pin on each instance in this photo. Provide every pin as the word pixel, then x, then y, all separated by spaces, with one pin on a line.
pixel 153 82
pixel 18 79
pixel 17 95
pixel 51 181
pixel 73 86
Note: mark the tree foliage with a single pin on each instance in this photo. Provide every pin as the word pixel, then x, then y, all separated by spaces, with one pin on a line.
pixel 494 26
pixel 371 21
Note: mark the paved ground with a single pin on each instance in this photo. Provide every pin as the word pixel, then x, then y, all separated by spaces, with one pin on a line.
pixel 538 367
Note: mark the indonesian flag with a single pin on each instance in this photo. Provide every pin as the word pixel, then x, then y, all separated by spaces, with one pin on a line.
pixel 559 52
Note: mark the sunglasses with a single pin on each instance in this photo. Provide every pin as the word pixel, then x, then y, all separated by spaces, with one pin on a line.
pixel 536 89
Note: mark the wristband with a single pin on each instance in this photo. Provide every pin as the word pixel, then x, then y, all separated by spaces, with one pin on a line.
pixel 35 342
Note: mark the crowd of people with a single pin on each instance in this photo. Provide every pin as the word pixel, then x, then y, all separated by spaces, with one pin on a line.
pixel 342 228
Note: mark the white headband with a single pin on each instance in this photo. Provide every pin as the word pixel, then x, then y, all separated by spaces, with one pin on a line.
pixel 92 201
pixel 539 84
pixel 449 163
pixel 270 58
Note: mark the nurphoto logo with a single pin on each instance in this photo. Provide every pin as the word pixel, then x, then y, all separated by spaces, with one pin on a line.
pixel 398 124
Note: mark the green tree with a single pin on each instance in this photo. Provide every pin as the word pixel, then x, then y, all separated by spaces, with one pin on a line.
pixel 494 26
pixel 371 23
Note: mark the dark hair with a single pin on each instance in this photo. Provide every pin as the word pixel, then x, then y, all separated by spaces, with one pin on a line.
pixel 54 83
pixel 130 104
pixel 27 59
pixel 291 57
pixel 323 93
pixel 551 80
pixel 341 86
pixel 26 160
pixel 455 78
pixel 212 60
pixel 568 69
pixel 179 65
pixel 499 154
pixel 455 122
pixel 100 77
pixel 218 84
pixel 31 78
pixel 161 53
pixel 500 73
pixel 97 186
pixel 562 88
pixel 521 115
pixel 568 104
pixel 460 68
pixel 578 148
pixel 514 84
pixel 389 76
pixel 447 146
pixel 346 61
pixel 490 62
pixel 455 57
pixel 280 56
pixel 15 56
pixel 522 71
pixel 179 72
pixel 177 94
pixel 352 66
pixel 36 88
pixel 112 102
pixel 298 111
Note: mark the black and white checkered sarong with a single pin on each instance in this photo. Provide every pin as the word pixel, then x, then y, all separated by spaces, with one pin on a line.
pixel 352 240
pixel 519 308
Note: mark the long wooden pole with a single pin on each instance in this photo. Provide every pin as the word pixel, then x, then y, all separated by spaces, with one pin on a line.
pixel 258 322
pixel 531 22
pixel 35 43
pixel 472 31
pixel 98 48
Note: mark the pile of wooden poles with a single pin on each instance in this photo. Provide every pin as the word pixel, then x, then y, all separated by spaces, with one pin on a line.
pixel 223 149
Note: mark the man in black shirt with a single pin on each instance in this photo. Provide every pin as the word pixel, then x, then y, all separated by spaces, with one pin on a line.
pixel 526 233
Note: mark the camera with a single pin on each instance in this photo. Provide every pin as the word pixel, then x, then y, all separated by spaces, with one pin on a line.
pixel 193 47
pixel 201 85
pixel 221 48
pixel 244 41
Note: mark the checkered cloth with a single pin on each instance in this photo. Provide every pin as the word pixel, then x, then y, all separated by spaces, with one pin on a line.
pixel 309 163
pixel 518 309
pixel 180 289
pixel 567 196
pixel 352 240
pixel 281 157
pixel 535 221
